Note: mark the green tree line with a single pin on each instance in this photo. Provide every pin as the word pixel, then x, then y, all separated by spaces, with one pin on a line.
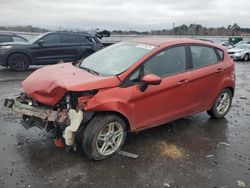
pixel 192 29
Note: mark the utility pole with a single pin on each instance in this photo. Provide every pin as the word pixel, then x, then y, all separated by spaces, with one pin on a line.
pixel 173 28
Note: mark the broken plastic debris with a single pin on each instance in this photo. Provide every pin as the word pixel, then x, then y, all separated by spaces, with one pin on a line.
pixel 241 183
pixel 127 154
pixel 243 98
pixel 75 122
pixel 223 143
pixel 209 156
pixel 166 184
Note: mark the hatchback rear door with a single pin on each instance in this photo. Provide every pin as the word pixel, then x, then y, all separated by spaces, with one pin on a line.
pixel 207 75
pixel 71 46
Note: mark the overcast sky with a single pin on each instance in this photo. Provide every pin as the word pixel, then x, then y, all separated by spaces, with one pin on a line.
pixel 123 14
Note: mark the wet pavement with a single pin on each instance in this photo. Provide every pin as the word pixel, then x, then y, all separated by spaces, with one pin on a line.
pixel 191 152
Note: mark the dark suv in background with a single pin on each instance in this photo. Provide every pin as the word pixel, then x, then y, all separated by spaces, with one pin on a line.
pixel 48 48
pixel 9 37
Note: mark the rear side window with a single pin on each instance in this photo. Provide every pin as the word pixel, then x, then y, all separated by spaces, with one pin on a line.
pixel 203 56
pixel 5 38
pixel 66 38
pixel 221 54
pixel 168 62
pixel 51 38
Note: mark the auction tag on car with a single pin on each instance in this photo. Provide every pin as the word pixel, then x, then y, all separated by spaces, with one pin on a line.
pixel 145 46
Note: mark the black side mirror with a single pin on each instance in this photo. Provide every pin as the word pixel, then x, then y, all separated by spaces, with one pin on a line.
pixel 40 42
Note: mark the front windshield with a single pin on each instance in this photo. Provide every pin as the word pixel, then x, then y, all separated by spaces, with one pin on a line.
pixel 116 58
pixel 242 46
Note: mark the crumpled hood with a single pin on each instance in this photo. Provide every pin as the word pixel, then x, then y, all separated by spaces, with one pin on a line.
pixel 49 84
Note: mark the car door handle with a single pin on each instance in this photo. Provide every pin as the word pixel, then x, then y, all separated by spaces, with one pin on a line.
pixel 182 82
pixel 219 70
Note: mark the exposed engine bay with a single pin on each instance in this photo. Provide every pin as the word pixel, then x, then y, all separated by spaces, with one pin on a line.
pixel 65 118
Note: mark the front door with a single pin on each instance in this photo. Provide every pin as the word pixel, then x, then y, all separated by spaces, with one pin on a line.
pixel 48 52
pixel 169 100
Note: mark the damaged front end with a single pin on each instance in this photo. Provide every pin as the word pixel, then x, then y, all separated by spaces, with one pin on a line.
pixel 65 118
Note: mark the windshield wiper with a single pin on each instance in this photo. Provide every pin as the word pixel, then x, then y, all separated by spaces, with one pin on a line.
pixel 90 70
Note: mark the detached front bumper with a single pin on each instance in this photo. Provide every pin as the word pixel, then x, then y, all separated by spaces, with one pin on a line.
pixel 29 110
pixel 42 117
pixel 36 115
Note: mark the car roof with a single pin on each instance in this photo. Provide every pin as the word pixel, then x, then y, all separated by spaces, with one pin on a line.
pixel 8 34
pixel 71 33
pixel 163 41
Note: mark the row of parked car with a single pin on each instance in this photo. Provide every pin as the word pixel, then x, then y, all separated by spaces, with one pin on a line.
pixel 18 53
pixel 240 51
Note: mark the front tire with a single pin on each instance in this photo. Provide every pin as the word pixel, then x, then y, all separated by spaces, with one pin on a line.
pixel 18 62
pixel 104 135
pixel 221 105
pixel 246 57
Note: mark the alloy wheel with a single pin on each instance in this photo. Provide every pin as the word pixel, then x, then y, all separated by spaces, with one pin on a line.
pixel 109 138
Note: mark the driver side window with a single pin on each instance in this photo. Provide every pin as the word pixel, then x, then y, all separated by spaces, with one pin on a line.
pixel 51 39
pixel 167 62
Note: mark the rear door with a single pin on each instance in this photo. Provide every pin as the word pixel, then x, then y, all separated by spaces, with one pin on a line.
pixel 70 46
pixel 207 75
pixel 169 100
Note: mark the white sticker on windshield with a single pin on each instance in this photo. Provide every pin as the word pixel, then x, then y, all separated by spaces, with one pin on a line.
pixel 145 46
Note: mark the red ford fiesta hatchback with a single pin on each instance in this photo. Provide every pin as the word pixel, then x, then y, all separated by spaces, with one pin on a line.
pixel 128 86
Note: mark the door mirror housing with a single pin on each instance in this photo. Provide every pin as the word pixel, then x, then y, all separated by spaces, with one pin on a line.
pixel 149 79
pixel 40 42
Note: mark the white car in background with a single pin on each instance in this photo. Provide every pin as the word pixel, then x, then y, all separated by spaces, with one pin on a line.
pixel 240 52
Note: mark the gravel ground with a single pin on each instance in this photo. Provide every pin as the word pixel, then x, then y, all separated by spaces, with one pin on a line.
pixel 191 152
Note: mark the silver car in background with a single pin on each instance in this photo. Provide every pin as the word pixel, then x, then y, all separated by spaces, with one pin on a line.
pixel 240 52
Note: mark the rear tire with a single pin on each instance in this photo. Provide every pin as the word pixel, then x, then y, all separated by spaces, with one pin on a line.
pixel 222 104
pixel 104 135
pixel 18 62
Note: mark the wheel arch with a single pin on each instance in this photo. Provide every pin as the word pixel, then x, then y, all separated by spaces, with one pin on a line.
pixel 128 127
pixel 214 99
pixel 231 89
pixel 16 52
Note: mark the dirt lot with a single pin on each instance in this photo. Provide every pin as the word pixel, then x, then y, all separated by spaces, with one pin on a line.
pixel 191 152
